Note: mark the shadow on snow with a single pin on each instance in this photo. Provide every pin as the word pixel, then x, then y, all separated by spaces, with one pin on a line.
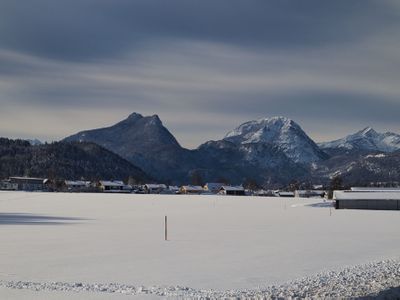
pixel 32 219
pixel 321 204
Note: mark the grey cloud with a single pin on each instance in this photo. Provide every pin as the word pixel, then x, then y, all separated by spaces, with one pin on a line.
pixel 88 29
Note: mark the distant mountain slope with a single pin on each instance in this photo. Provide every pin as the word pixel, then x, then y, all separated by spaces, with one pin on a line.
pixel 366 139
pixel 280 132
pixel 260 162
pixel 145 142
pixel 361 169
pixel 272 150
pixel 63 160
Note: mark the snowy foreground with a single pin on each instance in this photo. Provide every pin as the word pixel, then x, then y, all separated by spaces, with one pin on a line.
pixel 99 246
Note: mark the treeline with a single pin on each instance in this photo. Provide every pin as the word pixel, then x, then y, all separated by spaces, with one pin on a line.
pixel 64 160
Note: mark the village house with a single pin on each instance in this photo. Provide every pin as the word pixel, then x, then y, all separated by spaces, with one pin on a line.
pixel 170 190
pixel 114 187
pixel 213 187
pixel 191 189
pixel 232 190
pixel 173 189
pixel 153 188
pixel 76 185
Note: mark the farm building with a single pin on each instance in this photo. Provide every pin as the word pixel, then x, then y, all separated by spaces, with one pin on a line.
pixel 374 189
pixel 264 193
pixel 191 189
pixel 213 187
pixel 28 183
pixel 114 187
pixel 286 194
pixel 76 185
pixel 173 189
pixel 232 190
pixel 377 200
pixel 153 188
pixel 309 193
pixel 8 185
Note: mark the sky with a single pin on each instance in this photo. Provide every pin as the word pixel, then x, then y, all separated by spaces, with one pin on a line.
pixel 203 66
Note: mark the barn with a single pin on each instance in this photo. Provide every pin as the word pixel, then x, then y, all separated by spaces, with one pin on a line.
pixel 375 200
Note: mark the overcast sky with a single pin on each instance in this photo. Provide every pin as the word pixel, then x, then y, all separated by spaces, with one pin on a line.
pixel 203 66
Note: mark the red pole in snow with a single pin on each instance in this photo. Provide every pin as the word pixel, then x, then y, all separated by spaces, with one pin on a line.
pixel 165 228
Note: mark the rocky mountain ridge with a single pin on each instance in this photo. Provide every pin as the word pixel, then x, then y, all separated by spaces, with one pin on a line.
pixel 274 150
pixel 366 139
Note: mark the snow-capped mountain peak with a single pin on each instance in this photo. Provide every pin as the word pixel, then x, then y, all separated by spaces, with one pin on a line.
pixel 261 130
pixel 366 139
pixel 368 132
pixel 281 132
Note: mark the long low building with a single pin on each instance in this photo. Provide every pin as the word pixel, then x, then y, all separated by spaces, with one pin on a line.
pixel 378 199
pixel 232 190
pixel 115 186
pixel 28 183
pixel 7 185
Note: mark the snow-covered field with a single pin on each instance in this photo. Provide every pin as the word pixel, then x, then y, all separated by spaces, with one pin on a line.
pixel 97 246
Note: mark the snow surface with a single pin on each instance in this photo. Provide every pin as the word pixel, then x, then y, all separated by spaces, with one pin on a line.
pixel 366 195
pixel 219 246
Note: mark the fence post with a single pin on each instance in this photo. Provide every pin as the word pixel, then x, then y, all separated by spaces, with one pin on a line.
pixel 165 228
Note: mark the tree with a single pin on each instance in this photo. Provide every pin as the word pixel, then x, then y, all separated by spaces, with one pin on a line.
pixel 196 178
pixel 335 184
pixel 223 180
pixel 132 181
pixel 293 186
pixel 251 184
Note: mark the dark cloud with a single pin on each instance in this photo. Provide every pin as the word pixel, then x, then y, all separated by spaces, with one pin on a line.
pixel 88 29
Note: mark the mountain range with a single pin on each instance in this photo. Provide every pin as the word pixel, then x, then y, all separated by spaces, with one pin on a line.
pixel 269 151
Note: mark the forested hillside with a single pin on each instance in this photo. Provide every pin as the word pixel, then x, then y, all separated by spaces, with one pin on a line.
pixel 64 160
